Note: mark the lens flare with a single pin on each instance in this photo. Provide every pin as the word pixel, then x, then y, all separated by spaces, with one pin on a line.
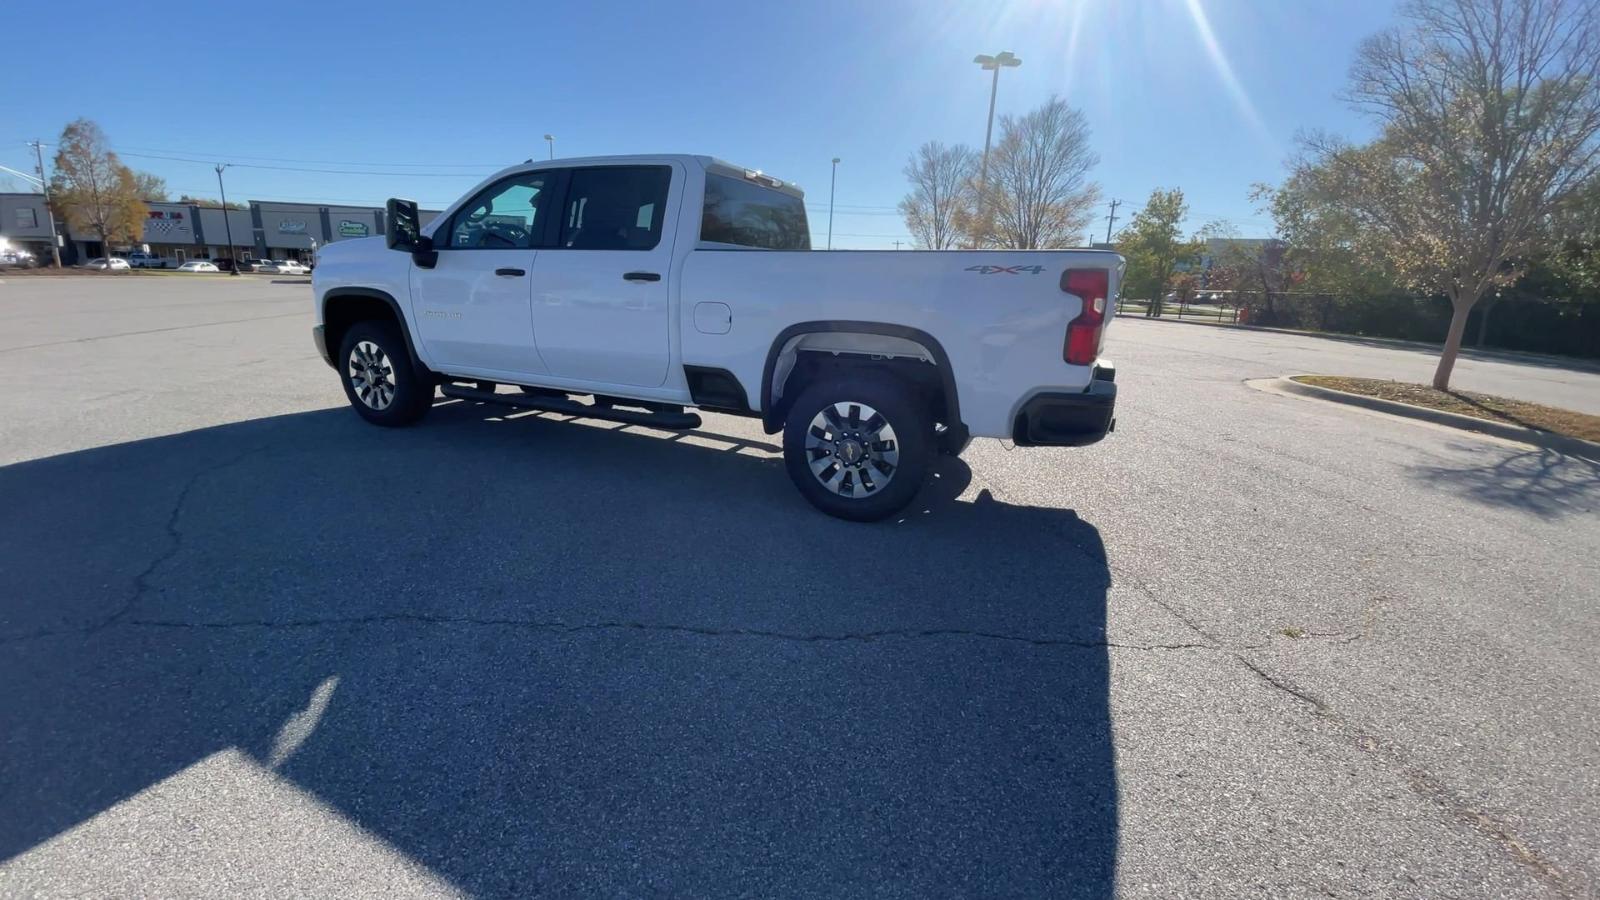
pixel 1219 62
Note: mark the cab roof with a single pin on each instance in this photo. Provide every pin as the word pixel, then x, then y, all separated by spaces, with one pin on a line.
pixel 710 164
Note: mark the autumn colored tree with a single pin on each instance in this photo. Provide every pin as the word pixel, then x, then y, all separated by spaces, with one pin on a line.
pixel 151 188
pixel 93 189
pixel 1490 123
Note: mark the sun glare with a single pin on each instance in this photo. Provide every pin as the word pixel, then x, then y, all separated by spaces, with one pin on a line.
pixel 1224 69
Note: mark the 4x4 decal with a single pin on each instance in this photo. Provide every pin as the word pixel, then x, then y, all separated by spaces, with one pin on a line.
pixel 1005 270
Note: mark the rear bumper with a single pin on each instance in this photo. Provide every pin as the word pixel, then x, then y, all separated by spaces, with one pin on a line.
pixel 1067 420
pixel 319 336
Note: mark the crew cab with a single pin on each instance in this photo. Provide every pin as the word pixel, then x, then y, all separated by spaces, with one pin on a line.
pixel 633 288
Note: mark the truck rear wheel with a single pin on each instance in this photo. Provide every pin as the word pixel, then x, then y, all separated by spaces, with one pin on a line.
pixel 858 448
pixel 379 380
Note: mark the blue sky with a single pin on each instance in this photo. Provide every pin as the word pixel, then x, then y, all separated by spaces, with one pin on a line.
pixel 436 95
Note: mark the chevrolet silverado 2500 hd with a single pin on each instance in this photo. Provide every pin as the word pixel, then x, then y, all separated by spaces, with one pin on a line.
pixel 651 284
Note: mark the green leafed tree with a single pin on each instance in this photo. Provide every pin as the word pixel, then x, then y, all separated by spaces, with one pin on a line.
pixel 94 190
pixel 1490 124
pixel 1155 248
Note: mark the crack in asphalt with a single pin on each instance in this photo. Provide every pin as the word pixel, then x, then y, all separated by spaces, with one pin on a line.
pixel 141 581
pixel 123 334
pixel 1424 784
pixel 558 627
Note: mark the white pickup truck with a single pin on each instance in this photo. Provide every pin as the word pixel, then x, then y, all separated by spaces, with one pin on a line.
pixel 650 284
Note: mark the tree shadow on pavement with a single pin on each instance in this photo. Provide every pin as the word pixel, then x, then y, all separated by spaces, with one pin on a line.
pixel 1544 482
pixel 536 656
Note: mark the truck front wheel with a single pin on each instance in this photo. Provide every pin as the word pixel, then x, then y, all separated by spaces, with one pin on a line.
pixel 379 379
pixel 858 448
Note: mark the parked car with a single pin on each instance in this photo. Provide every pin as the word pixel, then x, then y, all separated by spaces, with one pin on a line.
pixel 198 265
pixel 656 283
pixel 290 267
pixel 228 264
pixel 17 259
pixel 141 260
pixel 101 262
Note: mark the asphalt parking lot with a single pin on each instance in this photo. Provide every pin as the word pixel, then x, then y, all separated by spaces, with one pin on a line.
pixel 1249 645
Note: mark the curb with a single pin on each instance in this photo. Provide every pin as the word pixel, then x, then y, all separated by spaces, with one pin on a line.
pixel 1558 442
pixel 1519 357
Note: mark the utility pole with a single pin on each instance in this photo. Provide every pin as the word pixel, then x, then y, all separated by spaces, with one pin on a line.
pixel 49 209
pixel 1112 219
pixel 897 244
pixel 227 224
pixel 551 139
pixel 832 180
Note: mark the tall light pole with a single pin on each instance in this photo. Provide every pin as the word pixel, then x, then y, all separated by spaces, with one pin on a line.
pixel 1003 60
pixel 49 209
pixel 552 139
pixel 227 224
pixel 832 180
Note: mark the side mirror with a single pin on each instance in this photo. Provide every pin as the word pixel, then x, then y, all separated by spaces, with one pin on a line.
pixel 404 232
pixel 405 225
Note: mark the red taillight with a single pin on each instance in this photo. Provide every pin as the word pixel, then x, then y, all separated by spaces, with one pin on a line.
pixel 1084 332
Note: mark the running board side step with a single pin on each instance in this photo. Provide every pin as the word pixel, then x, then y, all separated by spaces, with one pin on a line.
pixel 569 407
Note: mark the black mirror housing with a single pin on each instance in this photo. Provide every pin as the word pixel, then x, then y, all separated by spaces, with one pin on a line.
pixel 404 231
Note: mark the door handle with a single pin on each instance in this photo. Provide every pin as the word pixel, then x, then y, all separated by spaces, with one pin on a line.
pixel 642 276
pixel 514 273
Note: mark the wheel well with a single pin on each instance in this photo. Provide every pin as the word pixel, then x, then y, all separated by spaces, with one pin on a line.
pixel 909 357
pixel 342 310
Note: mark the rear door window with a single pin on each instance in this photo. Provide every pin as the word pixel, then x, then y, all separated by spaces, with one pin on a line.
pixel 751 215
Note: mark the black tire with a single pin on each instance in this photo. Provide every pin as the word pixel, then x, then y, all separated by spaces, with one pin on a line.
pixel 869 496
pixel 410 395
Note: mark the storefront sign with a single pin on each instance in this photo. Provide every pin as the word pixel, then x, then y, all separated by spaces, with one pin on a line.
pixel 291 226
pixel 165 223
pixel 353 229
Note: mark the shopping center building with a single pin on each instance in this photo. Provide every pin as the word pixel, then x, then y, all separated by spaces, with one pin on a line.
pixel 185 231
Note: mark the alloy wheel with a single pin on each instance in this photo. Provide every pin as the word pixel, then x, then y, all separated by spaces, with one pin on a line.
pixel 371 375
pixel 851 448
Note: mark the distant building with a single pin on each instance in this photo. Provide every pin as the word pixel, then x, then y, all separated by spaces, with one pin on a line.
pixel 184 231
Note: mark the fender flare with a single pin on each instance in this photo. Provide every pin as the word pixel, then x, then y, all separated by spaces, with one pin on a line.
pixel 394 306
pixel 947 375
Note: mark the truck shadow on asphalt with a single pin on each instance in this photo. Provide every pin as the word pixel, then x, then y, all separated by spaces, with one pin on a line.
pixel 538 657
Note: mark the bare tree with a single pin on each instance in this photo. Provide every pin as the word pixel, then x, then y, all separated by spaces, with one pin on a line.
pixel 941 193
pixel 1490 111
pixel 95 190
pixel 1038 193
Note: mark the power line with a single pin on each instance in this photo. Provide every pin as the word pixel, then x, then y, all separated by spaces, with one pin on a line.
pixel 328 162
pixel 208 162
pixel 150 152
pixel 851 234
pixel 1112 219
